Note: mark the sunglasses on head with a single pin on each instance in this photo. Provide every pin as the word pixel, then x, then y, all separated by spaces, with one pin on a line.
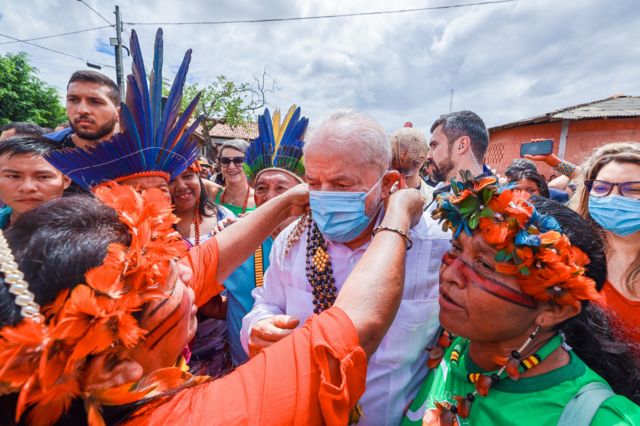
pixel 225 161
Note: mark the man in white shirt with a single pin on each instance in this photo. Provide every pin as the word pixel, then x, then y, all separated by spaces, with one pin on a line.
pixel 347 161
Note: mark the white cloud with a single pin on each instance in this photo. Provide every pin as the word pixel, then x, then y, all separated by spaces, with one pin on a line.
pixel 506 61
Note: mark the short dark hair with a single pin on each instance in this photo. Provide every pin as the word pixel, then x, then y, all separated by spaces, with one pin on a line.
pixel 519 165
pixel 465 123
pixel 30 145
pixel 96 77
pixel 24 128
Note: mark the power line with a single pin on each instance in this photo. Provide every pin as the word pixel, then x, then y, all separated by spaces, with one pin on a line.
pixel 304 18
pixel 58 35
pixel 56 51
pixel 96 12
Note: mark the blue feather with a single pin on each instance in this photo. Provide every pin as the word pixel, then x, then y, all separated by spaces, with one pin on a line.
pixel 152 140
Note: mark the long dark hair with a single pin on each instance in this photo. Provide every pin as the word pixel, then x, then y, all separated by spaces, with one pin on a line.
pixel 54 246
pixel 591 335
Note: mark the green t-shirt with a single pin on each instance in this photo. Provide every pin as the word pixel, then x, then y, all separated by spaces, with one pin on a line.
pixel 236 210
pixel 533 401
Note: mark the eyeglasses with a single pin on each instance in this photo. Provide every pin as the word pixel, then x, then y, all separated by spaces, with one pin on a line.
pixel 602 188
pixel 226 161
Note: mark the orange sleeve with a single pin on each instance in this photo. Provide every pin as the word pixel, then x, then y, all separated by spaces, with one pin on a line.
pixel 287 384
pixel 203 261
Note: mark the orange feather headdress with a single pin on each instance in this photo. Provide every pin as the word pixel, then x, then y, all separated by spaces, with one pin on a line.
pixel 530 245
pixel 44 357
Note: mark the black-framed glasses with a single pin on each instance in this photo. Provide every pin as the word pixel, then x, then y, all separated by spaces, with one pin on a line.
pixel 226 161
pixel 602 188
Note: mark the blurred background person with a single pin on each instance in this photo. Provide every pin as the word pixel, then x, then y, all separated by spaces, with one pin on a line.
pixel 409 154
pixel 21 128
pixel 610 197
pixel 237 194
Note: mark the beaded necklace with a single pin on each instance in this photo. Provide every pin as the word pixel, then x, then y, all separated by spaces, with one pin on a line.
pixel 450 414
pixel 319 270
pixel 246 199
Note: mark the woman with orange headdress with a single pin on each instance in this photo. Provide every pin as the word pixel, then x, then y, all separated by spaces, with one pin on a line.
pixel 524 342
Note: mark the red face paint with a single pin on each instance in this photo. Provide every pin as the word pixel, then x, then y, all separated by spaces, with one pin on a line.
pixel 487 285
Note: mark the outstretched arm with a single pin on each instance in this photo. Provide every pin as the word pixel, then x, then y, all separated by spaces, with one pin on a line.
pixel 237 242
pixel 371 294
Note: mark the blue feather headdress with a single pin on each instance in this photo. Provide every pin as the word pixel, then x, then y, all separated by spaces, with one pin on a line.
pixel 278 145
pixel 153 140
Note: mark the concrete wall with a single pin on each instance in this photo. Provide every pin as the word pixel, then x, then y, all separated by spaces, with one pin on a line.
pixel 583 136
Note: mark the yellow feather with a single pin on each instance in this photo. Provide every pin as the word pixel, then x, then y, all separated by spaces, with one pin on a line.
pixel 281 127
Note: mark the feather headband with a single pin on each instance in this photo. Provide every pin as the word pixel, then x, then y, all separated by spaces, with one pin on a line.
pixel 278 145
pixel 153 141
pixel 530 245
pixel 45 360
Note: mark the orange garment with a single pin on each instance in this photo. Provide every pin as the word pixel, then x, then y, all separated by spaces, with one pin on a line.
pixel 203 261
pixel 625 312
pixel 288 383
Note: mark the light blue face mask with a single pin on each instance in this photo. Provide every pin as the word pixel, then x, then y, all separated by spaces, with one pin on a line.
pixel 615 213
pixel 340 216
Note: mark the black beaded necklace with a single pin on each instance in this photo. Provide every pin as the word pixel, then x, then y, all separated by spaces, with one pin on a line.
pixel 320 275
pixel 319 270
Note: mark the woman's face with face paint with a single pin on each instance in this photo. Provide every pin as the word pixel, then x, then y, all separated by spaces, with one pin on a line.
pixel 170 323
pixel 476 301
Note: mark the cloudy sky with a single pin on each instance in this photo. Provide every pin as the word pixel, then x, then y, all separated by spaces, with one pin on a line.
pixel 505 61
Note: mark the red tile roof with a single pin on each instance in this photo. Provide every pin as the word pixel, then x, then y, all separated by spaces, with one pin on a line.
pixel 223 131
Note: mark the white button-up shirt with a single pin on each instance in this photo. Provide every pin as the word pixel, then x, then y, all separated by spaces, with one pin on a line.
pixel 398 367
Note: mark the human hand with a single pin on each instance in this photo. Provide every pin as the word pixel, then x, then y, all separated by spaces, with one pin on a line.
pixel 270 330
pixel 549 159
pixel 224 223
pixel 405 205
pixel 298 198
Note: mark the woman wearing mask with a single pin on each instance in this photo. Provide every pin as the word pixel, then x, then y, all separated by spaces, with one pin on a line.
pixel 237 195
pixel 610 197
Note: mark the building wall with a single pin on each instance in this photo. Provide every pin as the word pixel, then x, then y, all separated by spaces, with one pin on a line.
pixel 582 138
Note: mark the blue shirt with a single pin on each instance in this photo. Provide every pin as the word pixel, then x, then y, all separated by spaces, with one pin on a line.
pixel 240 301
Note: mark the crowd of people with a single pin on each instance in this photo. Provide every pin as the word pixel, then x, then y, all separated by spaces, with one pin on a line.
pixel 327 275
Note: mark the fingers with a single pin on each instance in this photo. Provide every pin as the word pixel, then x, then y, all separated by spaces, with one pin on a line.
pixel 256 344
pixel 285 321
pixel 270 330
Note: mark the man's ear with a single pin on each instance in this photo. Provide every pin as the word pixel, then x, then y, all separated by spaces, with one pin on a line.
pixel 388 180
pixel 553 314
pixel 462 145
pixel 103 372
pixel 66 181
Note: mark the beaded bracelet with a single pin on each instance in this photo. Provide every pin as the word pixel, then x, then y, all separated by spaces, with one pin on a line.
pixel 400 232
pixel 565 168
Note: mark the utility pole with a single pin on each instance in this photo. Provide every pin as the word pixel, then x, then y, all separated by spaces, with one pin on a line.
pixel 117 43
pixel 450 100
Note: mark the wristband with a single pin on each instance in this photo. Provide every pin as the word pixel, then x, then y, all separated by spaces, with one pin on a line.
pixel 398 231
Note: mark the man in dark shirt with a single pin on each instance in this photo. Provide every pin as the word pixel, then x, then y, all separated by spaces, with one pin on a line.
pixel 93 107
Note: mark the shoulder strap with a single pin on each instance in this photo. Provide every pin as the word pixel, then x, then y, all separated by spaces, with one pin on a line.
pixel 581 409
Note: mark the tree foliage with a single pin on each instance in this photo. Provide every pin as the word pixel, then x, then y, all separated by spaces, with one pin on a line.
pixel 227 102
pixel 24 97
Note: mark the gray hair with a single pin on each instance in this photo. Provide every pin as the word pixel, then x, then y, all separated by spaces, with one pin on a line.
pixel 348 126
pixel 238 144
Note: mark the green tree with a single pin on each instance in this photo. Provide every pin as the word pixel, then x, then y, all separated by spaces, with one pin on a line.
pixel 24 97
pixel 227 102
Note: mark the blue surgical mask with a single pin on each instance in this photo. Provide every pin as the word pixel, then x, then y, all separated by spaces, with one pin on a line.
pixel 340 216
pixel 615 213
